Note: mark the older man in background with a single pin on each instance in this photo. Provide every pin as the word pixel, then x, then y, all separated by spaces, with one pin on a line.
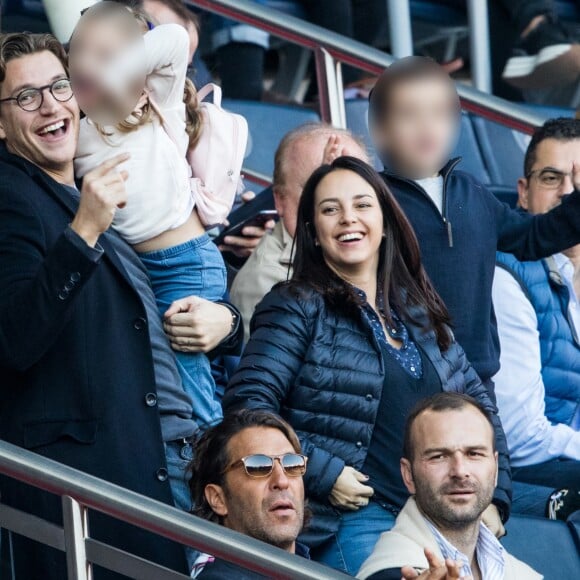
pixel 300 152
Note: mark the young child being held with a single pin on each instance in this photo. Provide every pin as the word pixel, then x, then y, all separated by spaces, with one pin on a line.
pixel 112 54
pixel 414 118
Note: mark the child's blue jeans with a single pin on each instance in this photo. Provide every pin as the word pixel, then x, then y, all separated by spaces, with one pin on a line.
pixel 195 268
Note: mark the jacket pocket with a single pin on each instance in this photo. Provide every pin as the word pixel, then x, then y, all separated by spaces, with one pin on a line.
pixel 45 433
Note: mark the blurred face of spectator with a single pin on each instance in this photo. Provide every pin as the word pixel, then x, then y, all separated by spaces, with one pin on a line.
pixel 162 14
pixel 302 157
pixel 453 468
pixel 349 224
pixel 95 42
pixel 420 127
pixel 551 175
pixel 48 136
pixel 268 508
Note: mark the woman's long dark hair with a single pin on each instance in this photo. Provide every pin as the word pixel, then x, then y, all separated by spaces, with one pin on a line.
pixel 404 280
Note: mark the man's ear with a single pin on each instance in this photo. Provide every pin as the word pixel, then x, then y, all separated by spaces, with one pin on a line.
pixel 496 455
pixel 523 193
pixel 215 496
pixel 407 473
pixel 2 131
pixel 278 201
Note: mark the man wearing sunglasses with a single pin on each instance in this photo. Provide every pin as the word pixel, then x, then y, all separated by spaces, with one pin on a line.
pixel 538 316
pixel 247 476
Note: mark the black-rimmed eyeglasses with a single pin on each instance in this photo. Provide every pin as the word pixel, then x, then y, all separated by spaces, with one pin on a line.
pixel 293 464
pixel 31 99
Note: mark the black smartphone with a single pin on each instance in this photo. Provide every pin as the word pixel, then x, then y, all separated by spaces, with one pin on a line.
pixel 257 220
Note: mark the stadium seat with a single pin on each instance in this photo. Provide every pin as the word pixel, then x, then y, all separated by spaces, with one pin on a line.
pixel 549 112
pixel 505 194
pixel 357 122
pixel 268 123
pixel 547 546
pixel 503 150
pixel 568 10
pixel 468 148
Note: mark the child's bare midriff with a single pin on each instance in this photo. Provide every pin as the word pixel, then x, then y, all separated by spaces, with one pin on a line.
pixel 191 229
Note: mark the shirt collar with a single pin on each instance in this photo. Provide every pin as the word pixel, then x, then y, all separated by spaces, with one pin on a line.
pixel 287 245
pixel 490 553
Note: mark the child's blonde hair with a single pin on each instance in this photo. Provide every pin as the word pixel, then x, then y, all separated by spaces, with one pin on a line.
pixel 144 114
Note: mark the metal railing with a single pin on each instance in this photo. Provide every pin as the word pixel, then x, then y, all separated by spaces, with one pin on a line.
pixel 331 49
pixel 81 492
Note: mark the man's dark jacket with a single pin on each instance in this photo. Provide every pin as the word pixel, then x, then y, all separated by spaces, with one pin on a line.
pixel 323 371
pixel 458 250
pixel 77 381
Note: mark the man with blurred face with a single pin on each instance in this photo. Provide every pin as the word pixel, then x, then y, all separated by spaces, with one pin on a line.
pixel 537 305
pixel 450 468
pixel 247 476
pixel 300 152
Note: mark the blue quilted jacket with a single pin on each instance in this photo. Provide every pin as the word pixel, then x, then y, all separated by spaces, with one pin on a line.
pixel 323 372
pixel 559 345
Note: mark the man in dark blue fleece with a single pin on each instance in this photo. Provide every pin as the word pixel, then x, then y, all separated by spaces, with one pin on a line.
pixel 414 118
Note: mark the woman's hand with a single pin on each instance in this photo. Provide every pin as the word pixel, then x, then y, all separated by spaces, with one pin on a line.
pixel 349 492
pixel 197 325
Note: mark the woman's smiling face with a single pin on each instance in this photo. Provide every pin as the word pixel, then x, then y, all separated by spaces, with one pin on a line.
pixel 349 223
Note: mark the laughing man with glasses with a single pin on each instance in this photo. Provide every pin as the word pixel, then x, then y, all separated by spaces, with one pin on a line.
pixel 537 305
pixel 247 476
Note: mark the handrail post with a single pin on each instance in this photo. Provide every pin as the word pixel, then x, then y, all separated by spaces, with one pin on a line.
pixel 479 44
pixel 399 15
pixel 330 89
pixel 76 530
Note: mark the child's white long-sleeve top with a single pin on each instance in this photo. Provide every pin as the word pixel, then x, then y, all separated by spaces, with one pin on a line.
pixel 158 188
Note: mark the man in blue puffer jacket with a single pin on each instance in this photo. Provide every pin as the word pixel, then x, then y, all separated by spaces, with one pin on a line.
pixel 538 316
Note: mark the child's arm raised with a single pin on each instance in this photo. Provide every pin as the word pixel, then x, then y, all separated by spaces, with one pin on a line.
pixel 162 59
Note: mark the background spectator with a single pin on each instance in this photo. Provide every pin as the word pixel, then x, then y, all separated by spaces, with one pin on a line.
pixel 300 152
pixel 538 320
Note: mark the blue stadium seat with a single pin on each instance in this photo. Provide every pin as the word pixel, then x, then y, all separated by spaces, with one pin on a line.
pixel 443 12
pixel 549 112
pixel 357 122
pixel 268 123
pixel 568 10
pixel 505 194
pixel 547 546
pixel 468 148
pixel 503 150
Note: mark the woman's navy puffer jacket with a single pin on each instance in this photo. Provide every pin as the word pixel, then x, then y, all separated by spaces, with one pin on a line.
pixel 323 372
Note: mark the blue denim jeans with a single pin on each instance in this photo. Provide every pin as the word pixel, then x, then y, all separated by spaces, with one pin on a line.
pixel 178 455
pixel 195 268
pixel 356 538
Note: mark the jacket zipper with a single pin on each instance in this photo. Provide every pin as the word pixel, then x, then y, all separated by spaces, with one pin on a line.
pixel 443 213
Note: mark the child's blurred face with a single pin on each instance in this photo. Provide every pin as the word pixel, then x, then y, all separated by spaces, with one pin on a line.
pixel 420 126
pixel 95 43
pixel 93 46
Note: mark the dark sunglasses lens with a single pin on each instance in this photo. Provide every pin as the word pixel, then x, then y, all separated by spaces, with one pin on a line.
pixel 294 464
pixel 258 465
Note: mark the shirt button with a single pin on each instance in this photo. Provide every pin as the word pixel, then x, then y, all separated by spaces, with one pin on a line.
pixel 369 397
pixel 139 324
pixel 359 444
pixel 151 399
pixel 69 286
pixel 63 294
pixel 75 277
pixel 162 474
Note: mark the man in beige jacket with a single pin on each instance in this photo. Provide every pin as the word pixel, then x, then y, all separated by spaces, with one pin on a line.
pixel 300 152
pixel 450 468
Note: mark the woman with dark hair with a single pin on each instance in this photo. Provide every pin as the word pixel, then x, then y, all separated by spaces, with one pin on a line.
pixel 345 349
